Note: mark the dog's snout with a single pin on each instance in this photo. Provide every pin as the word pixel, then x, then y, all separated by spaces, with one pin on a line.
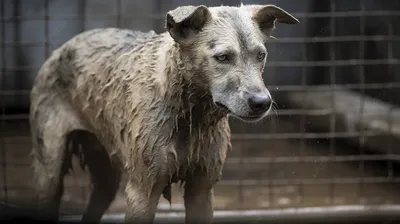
pixel 259 103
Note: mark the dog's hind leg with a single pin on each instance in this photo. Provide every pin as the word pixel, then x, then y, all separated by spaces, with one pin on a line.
pixel 50 121
pixel 104 176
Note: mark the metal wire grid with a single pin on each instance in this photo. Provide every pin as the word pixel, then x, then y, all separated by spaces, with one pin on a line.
pixel 3 161
pixel 302 136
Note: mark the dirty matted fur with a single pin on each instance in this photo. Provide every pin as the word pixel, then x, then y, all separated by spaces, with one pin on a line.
pixel 150 106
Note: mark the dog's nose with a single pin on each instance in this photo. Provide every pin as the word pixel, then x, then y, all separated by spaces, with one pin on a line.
pixel 259 103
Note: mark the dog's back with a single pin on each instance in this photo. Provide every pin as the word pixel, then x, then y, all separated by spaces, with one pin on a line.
pixel 90 71
pixel 92 54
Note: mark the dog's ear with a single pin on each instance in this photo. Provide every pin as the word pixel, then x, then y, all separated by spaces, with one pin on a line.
pixel 266 16
pixel 185 21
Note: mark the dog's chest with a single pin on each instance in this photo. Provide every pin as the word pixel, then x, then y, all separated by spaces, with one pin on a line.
pixel 198 146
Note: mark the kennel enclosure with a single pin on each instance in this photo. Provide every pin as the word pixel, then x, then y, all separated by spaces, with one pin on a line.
pixel 330 154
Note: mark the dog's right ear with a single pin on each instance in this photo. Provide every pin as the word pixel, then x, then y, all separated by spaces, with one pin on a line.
pixel 185 21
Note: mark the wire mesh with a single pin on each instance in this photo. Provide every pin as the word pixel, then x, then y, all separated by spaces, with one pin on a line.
pixel 332 142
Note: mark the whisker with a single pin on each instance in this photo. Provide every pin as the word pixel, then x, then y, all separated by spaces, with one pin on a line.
pixel 274 109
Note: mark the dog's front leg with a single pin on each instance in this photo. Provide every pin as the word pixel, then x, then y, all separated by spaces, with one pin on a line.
pixel 198 198
pixel 141 203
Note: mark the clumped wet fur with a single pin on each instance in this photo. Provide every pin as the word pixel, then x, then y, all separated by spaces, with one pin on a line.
pixel 145 105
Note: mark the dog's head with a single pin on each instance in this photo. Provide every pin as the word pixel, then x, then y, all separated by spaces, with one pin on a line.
pixel 228 45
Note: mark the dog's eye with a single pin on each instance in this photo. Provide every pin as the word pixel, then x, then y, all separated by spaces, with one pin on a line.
pixel 261 56
pixel 222 57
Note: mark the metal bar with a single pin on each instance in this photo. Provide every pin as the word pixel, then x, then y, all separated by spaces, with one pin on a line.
pixel 119 13
pixel 82 15
pixel 271 183
pixel 361 138
pixel 292 159
pixel 390 116
pixel 84 191
pixel 332 116
pixel 281 40
pixel 276 182
pixel 241 177
pixel 310 159
pixel 46 29
pixel 3 107
pixel 282 88
pixel 266 136
pixel 376 13
pixel 18 57
pixel 351 62
pixel 309 181
pixel 302 123
pixel 334 214
pixel 306 135
pixel 280 112
pixel 271 164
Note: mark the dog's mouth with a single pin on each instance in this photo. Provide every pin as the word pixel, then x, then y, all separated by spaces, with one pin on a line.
pixel 223 107
pixel 250 117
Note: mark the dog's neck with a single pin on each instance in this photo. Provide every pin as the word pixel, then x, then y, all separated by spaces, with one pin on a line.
pixel 183 83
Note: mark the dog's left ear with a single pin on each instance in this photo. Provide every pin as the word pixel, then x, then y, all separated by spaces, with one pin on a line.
pixel 185 21
pixel 266 16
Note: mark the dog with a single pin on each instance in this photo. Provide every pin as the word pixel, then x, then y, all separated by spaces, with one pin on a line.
pixel 153 107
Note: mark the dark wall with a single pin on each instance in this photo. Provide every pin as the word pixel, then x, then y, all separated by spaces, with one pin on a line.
pixel 382 26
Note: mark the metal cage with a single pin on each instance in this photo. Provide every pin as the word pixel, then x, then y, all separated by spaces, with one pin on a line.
pixel 329 154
